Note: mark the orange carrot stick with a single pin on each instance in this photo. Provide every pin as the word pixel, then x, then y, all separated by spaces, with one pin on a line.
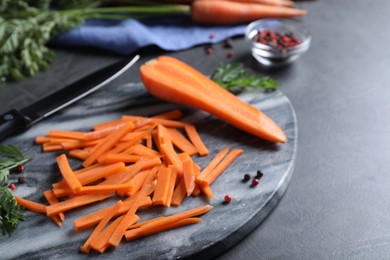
pixel 94 218
pixel 170 115
pixel 70 178
pixel 181 142
pixel 58 218
pixel 31 205
pixel 110 158
pixel 196 140
pixel 75 202
pixel 139 232
pixel 214 162
pixel 179 193
pixel 79 154
pixel 67 134
pixel 162 187
pixel 208 179
pixel 224 12
pixel 159 223
pixel 128 218
pixel 100 242
pixel 110 188
pixel 108 216
pixel 107 143
pixel 188 176
pixel 48 147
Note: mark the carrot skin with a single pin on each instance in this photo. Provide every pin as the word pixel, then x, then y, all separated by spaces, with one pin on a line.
pixel 225 12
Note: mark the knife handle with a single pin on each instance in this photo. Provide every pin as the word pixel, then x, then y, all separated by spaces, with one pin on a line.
pixel 12 122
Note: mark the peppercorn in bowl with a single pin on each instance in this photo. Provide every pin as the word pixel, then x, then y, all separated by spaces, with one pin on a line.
pixel 277 42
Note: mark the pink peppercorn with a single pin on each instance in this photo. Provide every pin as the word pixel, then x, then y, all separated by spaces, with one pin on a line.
pixel 11 186
pixel 255 182
pixel 227 198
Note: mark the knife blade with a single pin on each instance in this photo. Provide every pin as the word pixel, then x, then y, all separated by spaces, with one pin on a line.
pixel 16 121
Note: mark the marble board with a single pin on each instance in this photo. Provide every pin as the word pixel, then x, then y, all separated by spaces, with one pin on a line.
pixel 220 229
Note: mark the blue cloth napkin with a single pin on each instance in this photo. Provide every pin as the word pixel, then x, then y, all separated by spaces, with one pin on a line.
pixel 127 36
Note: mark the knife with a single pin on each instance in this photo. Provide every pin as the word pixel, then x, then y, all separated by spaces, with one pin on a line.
pixel 16 121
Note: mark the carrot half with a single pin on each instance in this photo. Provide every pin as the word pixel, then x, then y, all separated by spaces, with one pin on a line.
pixel 172 80
pixel 224 12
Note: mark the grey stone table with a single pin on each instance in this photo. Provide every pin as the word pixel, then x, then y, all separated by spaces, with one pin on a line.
pixel 337 203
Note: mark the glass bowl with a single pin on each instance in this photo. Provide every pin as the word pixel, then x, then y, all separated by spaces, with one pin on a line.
pixel 277 42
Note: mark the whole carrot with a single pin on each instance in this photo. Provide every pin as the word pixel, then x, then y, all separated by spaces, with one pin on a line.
pixel 224 12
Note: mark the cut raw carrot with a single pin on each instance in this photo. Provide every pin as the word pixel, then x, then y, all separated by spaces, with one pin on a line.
pixel 67 134
pixel 97 173
pixel 108 216
pixel 48 147
pixel 70 178
pixel 94 218
pixel 208 179
pixel 141 232
pixel 170 115
pixel 159 223
pixel 75 202
pixel 162 187
pixel 175 81
pixel 100 242
pixel 214 162
pixel 107 143
pixel 42 139
pixel 179 193
pixel 171 185
pixel 128 218
pixel 79 154
pixel 196 140
pixel 31 205
pixel 188 176
pixel 99 189
pixel 181 142
pixel 109 124
pixel 58 218
pixel 110 158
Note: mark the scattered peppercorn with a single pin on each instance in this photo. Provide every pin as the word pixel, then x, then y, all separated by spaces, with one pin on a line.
pixel 209 50
pixel 20 168
pixel 230 54
pixel 259 174
pixel 255 182
pixel 247 177
pixel 21 180
pixel 11 186
pixel 281 41
pixel 227 198
pixel 229 43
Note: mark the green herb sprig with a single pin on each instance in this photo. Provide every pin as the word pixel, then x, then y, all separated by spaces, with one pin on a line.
pixel 10 212
pixel 235 78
